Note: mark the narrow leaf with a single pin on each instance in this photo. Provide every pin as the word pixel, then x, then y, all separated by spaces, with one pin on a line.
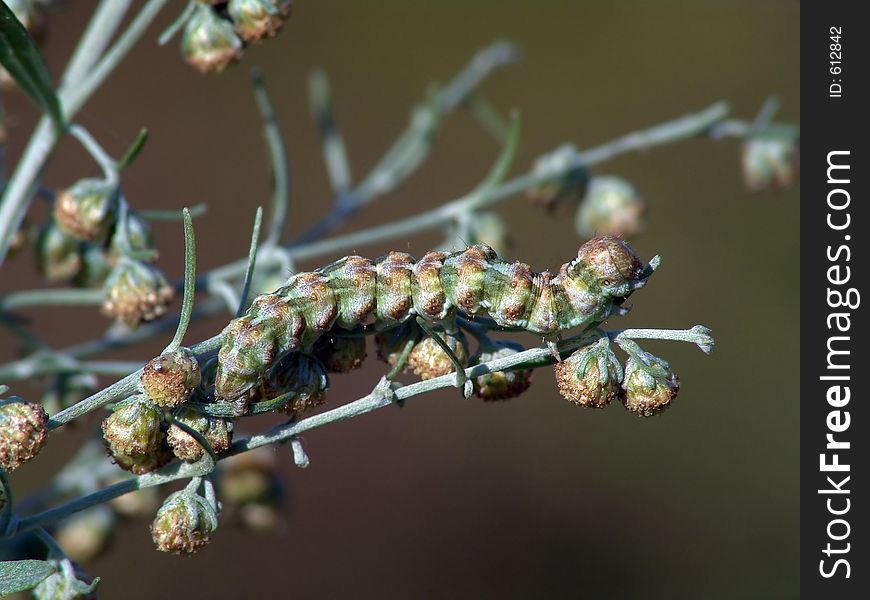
pixel 21 575
pixel 24 62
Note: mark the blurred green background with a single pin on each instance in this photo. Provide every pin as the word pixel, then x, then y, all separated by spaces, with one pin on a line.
pixel 534 497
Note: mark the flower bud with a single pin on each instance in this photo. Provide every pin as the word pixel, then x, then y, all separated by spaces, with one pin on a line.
pixel 428 360
pixel 57 254
pixel 139 239
pixel 95 267
pixel 169 378
pixel 568 183
pixel 340 354
pixel 209 42
pixel 84 535
pixel 649 385
pixel 258 19
pixel 87 209
pixel 501 385
pixel 23 432
pixel 770 160
pixel 303 375
pixel 590 376
pixel 612 206
pixel 134 436
pixel 136 292
pixel 217 432
pixel 183 524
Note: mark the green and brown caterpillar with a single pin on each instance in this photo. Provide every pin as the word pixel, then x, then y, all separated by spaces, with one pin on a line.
pixel 385 292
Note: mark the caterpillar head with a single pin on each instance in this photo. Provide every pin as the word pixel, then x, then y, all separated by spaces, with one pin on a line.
pixel 613 265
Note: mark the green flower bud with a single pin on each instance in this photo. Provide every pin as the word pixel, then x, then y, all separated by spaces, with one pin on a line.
pixel 501 385
pixel 136 292
pixel 340 354
pixel 258 19
pixel 590 376
pixel 169 378
pixel 68 582
pixel 140 239
pixel 95 267
pixel 612 206
pixel 569 186
pixel 183 524
pixel 770 160
pixel 428 360
pixel 218 433
pixel 209 42
pixel 23 432
pixel 84 535
pixel 58 255
pixel 87 209
pixel 649 384
pixel 134 436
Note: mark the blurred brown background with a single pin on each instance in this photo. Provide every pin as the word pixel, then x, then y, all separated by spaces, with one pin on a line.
pixel 534 497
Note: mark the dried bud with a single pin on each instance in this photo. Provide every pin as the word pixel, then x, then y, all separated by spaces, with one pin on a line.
pixel 428 360
pixel 209 42
pixel 567 184
pixel 340 354
pixel 501 385
pixel 57 254
pixel 136 292
pixel 87 209
pixel 258 19
pixel 218 433
pixel 68 582
pixel 649 385
pixel 23 432
pixel 84 535
pixel 771 160
pixel 134 437
pixel 184 523
pixel 392 342
pixel 169 378
pixel 612 206
pixel 591 376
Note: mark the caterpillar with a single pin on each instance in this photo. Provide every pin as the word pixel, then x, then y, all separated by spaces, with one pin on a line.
pixel 385 292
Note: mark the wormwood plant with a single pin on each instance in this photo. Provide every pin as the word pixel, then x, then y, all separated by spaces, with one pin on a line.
pixel 447 316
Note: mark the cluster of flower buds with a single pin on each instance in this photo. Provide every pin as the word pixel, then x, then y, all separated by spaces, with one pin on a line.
pixel 135 292
pixel 216 32
pixel 252 488
pixel 298 375
pixel 23 432
pixel 427 358
pixel 501 385
pixel 593 377
pixel 771 159
pixel 184 523
pixel 605 205
pixel 217 431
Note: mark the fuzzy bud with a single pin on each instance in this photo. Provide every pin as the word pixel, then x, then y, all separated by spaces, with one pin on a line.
pixel 590 376
pixel 649 385
pixel 428 360
pixel 255 20
pixel 57 253
pixel 68 582
pixel 612 206
pixel 340 354
pixel 87 209
pixel 567 185
pixel 136 292
pixel 501 385
pixel 169 378
pixel 217 432
pixel 770 161
pixel 23 432
pixel 134 436
pixel 209 42
pixel 183 524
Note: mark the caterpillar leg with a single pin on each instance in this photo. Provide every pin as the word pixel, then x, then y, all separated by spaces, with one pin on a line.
pixel 461 380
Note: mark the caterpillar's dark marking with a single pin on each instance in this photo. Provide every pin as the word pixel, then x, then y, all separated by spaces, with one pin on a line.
pixel 384 292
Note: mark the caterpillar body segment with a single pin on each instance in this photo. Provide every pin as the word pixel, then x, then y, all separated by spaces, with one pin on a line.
pixel 385 292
